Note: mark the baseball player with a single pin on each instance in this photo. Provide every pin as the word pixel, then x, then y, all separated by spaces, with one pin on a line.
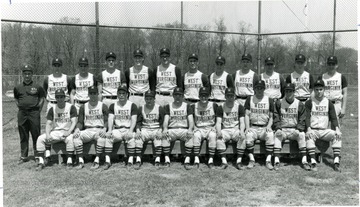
pixel 289 123
pixel 139 79
pixel 335 86
pixel 244 79
pixel 168 77
pixel 61 121
pixel 149 127
pixel 122 122
pixel 204 115
pixel 93 123
pixel 109 80
pixel 178 124
pixel 230 125
pixel 194 80
pixel 80 84
pixel 259 111
pixel 319 112
pixel 274 81
pixel 219 81
pixel 55 81
pixel 304 81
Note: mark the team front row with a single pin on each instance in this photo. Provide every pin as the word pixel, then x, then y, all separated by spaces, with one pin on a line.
pixel 270 120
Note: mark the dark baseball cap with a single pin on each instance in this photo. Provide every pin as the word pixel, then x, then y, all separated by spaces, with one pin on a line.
pixel 204 90
pixel 332 59
pixel 83 61
pixel 164 51
pixel 220 59
pixel 122 88
pixel 289 86
pixel 92 89
pixel 109 55
pixel 319 82
pixel 269 61
pixel 150 93
pixel 59 92
pixel 138 53
pixel 300 58
pixel 178 90
pixel 246 56
pixel 229 91
pixel 27 68
pixel 57 61
pixel 259 83
pixel 193 56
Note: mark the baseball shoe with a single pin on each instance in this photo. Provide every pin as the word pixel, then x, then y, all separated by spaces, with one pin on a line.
pixel 40 167
pixel 269 166
pixel 95 166
pixel 211 165
pixel 306 166
pixel 137 165
pixel 251 164
pixel 197 165
pixel 107 166
pixel 337 167
pixel 187 166
pixel 22 160
pixel 69 165
pixel 129 165
pixel 47 160
pixel 157 164
pixel 313 167
pixel 277 166
pixel 223 166
pixel 167 164
pixel 240 166
pixel 80 166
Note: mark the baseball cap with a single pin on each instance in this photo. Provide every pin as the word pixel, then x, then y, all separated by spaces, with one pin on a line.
pixel 269 61
pixel 319 82
pixel 229 91
pixel 122 88
pixel 289 86
pixel 178 90
pixel 27 68
pixel 332 59
pixel 138 53
pixel 92 89
pixel 220 59
pixel 164 51
pixel 204 90
pixel 149 93
pixel 83 61
pixel 57 61
pixel 246 56
pixel 300 58
pixel 259 83
pixel 110 54
pixel 193 56
pixel 59 92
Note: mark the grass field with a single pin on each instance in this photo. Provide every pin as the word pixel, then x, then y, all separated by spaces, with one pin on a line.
pixel 174 186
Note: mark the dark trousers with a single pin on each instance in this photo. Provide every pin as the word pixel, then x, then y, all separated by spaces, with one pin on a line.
pixel 28 121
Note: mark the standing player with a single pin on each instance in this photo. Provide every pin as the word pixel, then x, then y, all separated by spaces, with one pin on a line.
pixel 109 80
pixel 122 122
pixel 139 79
pixel 61 121
pixel 274 81
pixel 93 123
pixel 319 111
pixel 289 123
pixel 335 86
pixel 204 115
pixel 219 81
pixel 29 98
pixel 304 81
pixel 55 81
pixel 168 77
pixel 178 124
pixel 80 84
pixel 194 80
pixel 230 125
pixel 245 79
pixel 149 127
pixel 259 111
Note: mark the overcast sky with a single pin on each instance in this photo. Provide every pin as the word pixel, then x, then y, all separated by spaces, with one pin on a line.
pixel 277 16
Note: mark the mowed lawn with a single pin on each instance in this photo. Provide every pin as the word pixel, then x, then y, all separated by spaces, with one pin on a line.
pixel 174 186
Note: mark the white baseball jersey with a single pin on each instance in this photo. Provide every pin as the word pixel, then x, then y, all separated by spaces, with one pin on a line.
pixel 205 116
pixel 231 117
pixel 55 83
pixel 302 84
pixel 81 86
pixel 139 81
pixel 62 117
pixel 289 113
pixel 333 86
pixel 272 85
pixel 93 116
pixel 192 84
pixel 166 79
pixel 123 114
pixel 259 110
pixel 151 119
pixel 319 114
pixel 244 83
pixel 218 86
pixel 110 82
pixel 178 116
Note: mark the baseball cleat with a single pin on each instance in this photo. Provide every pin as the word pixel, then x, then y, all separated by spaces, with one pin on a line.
pixel 223 166
pixel 40 167
pixel 269 166
pixel 211 165
pixel 197 165
pixel 22 160
pixel 69 165
pixel 167 164
pixel 277 166
pixel 47 160
pixel 251 164
pixel 107 166
pixel 137 165
pixel 157 164
pixel 240 166
pixel 314 167
pixel 187 166
pixel 80 166
pixel 129 165
pixel 95 166
pixel 306 166
pixel 337 167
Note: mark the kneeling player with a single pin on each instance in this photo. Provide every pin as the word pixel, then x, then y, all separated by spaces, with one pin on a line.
pixel 289 123
pixel 230 125
pixel 61 121
pixel 178 124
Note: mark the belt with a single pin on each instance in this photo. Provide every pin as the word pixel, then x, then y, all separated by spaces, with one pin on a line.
pixel 178 127
pixel 80 102
pixel 302 98
pixel 94 127
pixel 191 100
pixel 121 127
pixel 110 97
pixel 136 94
pixel 216 100
pixel 242 97
pixel 53 102
pixel 334 101
pixel 164 93
pixel 258 125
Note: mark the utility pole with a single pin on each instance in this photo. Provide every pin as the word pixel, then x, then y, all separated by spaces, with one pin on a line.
pixel 259 39
pixel 97 45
